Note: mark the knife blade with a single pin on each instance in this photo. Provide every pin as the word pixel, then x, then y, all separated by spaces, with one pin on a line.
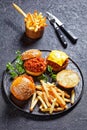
pixel 58 32
pixel 68 33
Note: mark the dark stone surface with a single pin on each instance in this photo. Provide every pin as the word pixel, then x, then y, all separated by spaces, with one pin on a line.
pixel 74 14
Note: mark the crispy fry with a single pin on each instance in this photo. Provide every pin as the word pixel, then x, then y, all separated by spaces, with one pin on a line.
pixel 41 106
pixel 72 96
pixel 54 110
pixel 67 100
pixel 33 104
pixel 42 101
pixel 59 99
pixel 67 95
pixel 63 95
pixel 46 99
pixel 39 87
pixel 45 109
pixel 52 106
pixel 52 99
pixel 58 109
pixel 33 98
pixel 39 93
pixel 35 21
pixel 45 87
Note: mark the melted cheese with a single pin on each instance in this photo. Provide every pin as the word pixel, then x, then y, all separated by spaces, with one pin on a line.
pixel 57 56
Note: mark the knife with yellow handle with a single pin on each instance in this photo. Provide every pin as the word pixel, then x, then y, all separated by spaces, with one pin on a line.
pixel 68 33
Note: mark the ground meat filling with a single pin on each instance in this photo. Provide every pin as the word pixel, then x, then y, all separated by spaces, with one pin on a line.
pixel 35 64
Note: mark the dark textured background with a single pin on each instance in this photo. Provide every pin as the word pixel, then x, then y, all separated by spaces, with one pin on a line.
pixel 74 14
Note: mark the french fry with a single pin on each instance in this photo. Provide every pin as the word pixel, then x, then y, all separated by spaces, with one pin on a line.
pixel 50 84
pixel 35 21
pixel 38 87
pixel 41 107
pixel 33 104
pixel 52 99
pixel 52 106
pixel 42 101
pixel 54 110
pixel 59 99
pixel 67 95
pixel 45 109
pixel 39 93
pixel 33 98
pixel 46 99
pixel 63 95
pixel 67 100
pixel 45 87
pixel 72 96
pixel 31 17
pixel 58 109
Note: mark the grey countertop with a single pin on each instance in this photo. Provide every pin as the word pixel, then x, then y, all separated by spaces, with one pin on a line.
pixel 74 14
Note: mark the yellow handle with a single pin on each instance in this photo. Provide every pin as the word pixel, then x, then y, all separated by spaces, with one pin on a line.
pixel 19 10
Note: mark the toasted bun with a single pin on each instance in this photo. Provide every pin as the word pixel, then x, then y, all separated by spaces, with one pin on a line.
pixel 32 53
pixel 35 66
pixel 67 78
pixel 35 73
pixel 22 88
pixel 58 60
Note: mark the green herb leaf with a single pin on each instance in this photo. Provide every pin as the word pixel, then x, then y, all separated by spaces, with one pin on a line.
pixel 13 74
pixel 19 61
pixel 43 77
pixel 11 69
pixel 19 69
pixel 9 66
pixel 16 68
pixel 49 68
pixel 53 76
pixel 18 53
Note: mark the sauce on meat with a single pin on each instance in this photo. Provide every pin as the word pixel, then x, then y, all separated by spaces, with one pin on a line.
pixel 35 64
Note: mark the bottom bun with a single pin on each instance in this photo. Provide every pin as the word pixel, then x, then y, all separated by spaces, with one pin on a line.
pixel 35 73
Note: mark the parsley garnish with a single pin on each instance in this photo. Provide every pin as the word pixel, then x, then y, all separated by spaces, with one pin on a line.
pixel 43 77
pixel 16 68
pixel 52 75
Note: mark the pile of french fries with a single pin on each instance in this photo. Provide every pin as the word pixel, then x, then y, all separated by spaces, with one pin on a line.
pixel 51 98
pixel 35 21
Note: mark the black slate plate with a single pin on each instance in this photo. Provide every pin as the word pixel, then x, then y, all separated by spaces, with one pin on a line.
pixel 25 106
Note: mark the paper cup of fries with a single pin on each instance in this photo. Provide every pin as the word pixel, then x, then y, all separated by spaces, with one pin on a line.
pixel 34 25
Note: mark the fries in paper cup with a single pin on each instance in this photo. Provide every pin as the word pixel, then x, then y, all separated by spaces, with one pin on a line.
pixel 35 24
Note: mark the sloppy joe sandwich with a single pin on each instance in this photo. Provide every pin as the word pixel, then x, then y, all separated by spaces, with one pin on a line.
pixel 58 60
pixel 35 66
